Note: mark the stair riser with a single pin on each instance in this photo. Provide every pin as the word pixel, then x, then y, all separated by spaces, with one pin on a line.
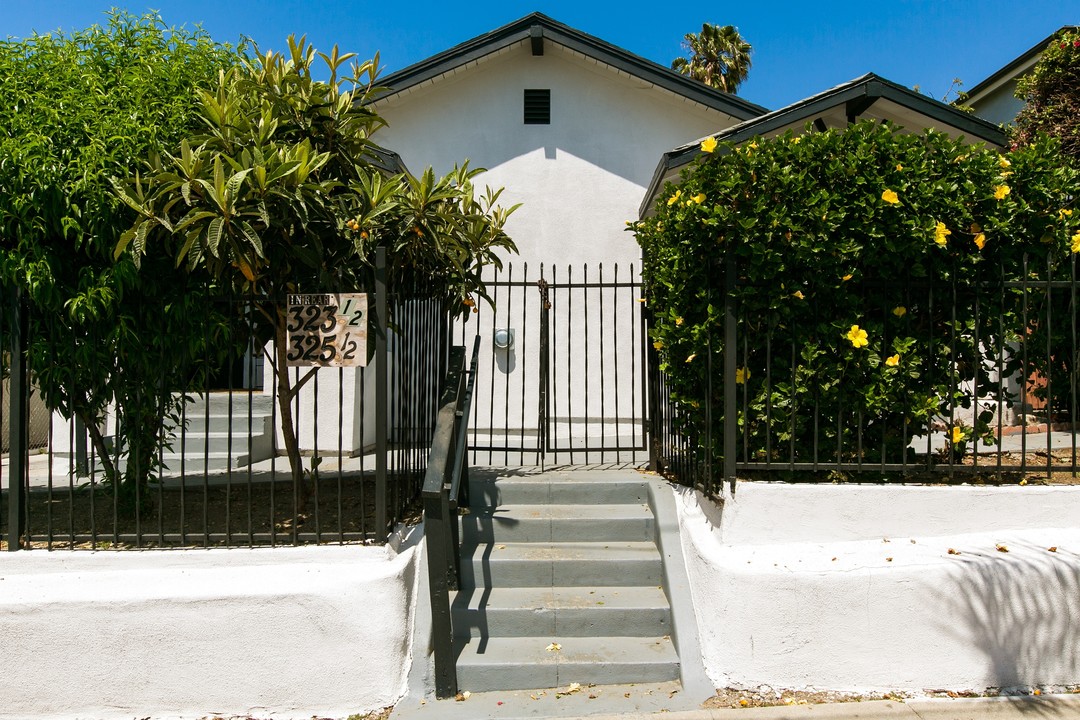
pixel 237 424
pixel 563 573
pixel 529 492
pixel 194 444
pixel 487 529
pixel 486 678
pixel 195 463
pixel 577 622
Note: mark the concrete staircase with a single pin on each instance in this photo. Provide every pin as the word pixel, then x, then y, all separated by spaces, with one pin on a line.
pixel 562 560
pixel 222 432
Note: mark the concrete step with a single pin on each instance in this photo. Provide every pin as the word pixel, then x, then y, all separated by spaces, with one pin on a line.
pixel 198 461
pixel 517 663
pixel 564 488
pixel 195 443
pixel 237 423
pixel 564 564
pixel 562 523
pixel 561 611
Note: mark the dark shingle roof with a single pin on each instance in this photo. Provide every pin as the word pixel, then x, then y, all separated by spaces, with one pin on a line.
pixel 845 102
pixel 539 28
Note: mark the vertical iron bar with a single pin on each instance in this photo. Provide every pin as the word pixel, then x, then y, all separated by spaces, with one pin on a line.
pixel 615 360
pixel 18 452
pixel 731 424
pixel 1049 372
pixel 381 415
pixel 603 337
pixel 1025 373
pixel 585 353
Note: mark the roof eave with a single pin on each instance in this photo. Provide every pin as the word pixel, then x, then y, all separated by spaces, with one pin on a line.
pixel 869 86
pixel 577 41
pixel 1015 68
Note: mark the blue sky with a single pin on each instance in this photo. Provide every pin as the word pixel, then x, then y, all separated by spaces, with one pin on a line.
pixel 799 48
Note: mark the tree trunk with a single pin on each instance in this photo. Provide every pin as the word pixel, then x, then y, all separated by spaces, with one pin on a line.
pixel 285 395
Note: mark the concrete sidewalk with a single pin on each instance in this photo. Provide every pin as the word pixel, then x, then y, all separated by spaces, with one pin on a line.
pixel 1049 707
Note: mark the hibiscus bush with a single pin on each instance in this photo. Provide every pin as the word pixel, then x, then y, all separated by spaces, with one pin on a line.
pixel 882 284
pixel 1051 95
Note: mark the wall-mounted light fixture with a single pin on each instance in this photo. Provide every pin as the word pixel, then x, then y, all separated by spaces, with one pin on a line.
pixel 503 338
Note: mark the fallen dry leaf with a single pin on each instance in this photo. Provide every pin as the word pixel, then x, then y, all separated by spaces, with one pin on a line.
pixel 570 690
pixel 954 551
pixel 1052 548
pixel 554 647
pixel 463 696
pixel 888 559
pixel 1001 548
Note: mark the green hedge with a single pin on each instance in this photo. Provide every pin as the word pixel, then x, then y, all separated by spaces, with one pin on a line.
pixel 853 250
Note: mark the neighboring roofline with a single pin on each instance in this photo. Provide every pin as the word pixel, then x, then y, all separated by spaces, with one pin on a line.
pixel 385 160
pixel 860 93
pixel 1013 69
pixel 537 27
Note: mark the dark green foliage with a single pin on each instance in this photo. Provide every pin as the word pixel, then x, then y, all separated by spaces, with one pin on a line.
pixel 1051 93
pixel 75 110
pixel 852 249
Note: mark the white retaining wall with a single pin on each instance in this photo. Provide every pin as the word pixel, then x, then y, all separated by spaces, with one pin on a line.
pixel 853 587
pixel 288 632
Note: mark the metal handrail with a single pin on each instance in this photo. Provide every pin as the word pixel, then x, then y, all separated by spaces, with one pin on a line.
pixel 445 488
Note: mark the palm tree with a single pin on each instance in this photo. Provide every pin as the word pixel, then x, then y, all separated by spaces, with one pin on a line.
pixel 719 57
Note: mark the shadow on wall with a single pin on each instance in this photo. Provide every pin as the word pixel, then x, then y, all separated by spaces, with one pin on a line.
pixel 1023 611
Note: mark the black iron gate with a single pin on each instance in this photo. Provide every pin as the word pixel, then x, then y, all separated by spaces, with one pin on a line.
pixel 562 376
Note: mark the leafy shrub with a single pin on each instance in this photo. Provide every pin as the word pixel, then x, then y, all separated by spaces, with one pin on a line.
pixel 875 273
pixel 1051 93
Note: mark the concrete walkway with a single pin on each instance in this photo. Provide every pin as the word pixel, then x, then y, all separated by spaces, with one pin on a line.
pixel 997 708
pixel 514 706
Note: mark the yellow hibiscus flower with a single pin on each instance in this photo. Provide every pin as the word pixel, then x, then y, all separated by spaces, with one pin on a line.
pixel 893 361
pixel 708 144
pixel 957 434
pixel 1076 243
pixel 980 241
pixel 899 311
pixel 699 198
pixel 742 375
pixel 941 234
pixel 890 197
pixel 1000 191
pixel 857 336
pixel 674 198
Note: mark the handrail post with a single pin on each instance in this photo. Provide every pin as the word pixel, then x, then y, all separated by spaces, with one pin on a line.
pixel 436 530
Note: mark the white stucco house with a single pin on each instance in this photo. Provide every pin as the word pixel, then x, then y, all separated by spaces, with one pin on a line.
pixel 584 135
pixel 570 125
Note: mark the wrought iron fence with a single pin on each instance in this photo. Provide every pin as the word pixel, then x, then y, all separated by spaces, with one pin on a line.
pixel 561 377
pixel 219 473
pixel 992 398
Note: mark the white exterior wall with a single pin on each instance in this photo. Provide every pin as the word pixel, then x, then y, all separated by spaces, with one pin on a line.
pixel 579 180
pixel 289 632
pixel 854 588
pixel 999 106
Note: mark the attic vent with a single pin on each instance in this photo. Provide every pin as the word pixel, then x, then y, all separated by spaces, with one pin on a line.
pixel 537 107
